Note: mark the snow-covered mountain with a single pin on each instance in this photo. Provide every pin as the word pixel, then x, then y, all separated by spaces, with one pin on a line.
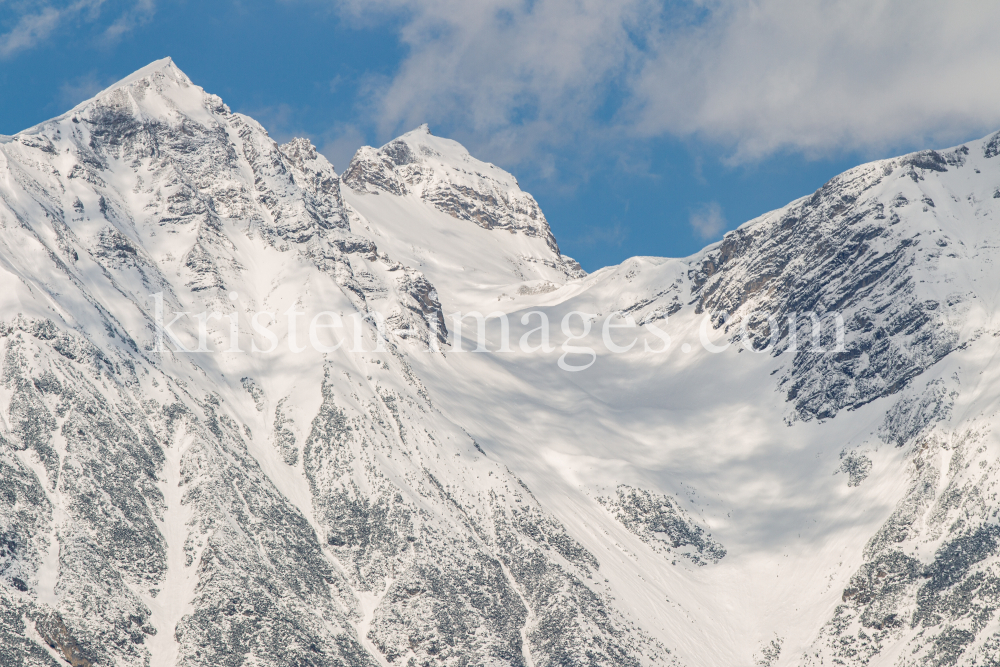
pixel 194 472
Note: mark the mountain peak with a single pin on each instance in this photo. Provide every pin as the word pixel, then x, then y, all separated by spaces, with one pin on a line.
pixel 163 69
pixel 443 173
pixel 173 96
pixel 164 66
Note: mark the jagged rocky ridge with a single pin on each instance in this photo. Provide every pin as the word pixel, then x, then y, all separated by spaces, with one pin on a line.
pixel 842 250
pixel 398 501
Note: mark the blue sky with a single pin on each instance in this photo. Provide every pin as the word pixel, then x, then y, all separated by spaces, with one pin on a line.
pixel 642 127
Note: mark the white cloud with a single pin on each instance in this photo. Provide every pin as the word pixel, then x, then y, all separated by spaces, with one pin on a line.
pixel 518 72
pixel 37 23
pixel 755 76
pixel 139 13
pixel 29 30
pixel 708 221
pixel 821 77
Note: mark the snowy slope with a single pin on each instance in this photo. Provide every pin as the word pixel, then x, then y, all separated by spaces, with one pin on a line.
pixel 808 467
pixel 402 499
pixel 407 197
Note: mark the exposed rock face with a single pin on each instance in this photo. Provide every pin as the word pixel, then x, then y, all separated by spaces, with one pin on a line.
pixel 443 174
pixel 856 466
pixel 661 523
pixel 842 251
pixel 929 582
pixel 100 448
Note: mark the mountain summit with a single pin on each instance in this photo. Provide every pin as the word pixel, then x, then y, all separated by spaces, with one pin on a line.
pixel 239 424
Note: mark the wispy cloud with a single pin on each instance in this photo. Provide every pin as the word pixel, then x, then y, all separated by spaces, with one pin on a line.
pixel 708 222
pixel 613 236
pixel 38 21
pixel 81 88
pixel 29 30
pixel 138 14
pixel 754 77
